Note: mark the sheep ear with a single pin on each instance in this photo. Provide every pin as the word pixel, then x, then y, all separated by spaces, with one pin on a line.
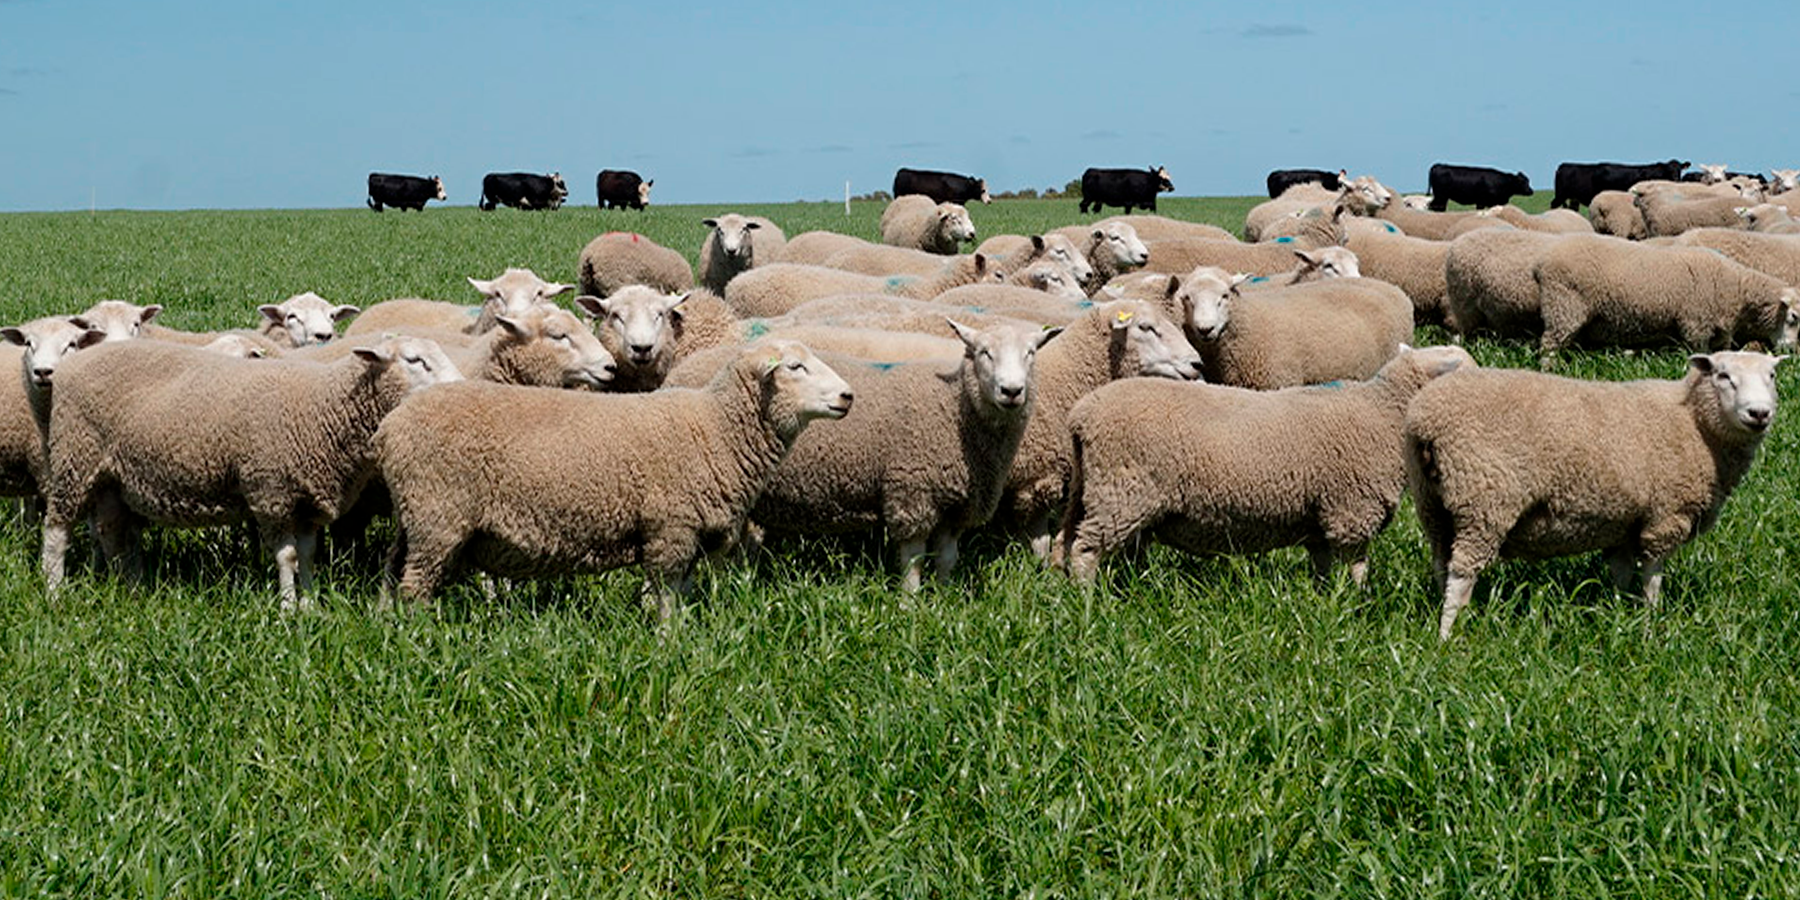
pixel 593 306
pixel 1098 235
pixel 89 338
pixel 1239 279
pixel 486 287
pixel 273 313
pixel 373 355
pixel 1037 243
pixel 1173 286
pixel 964 332
pixel 1306 259
pixel 149 312
pixel 752 225
pixel 340 313
pixel 513 327
pixel 672 301
pixel 1778 360
pixel 1702 363
pixel 710 223
pixel 981 263
pixel 14 336
pixel 1404 348
pixel 1044 336
pixel 554 289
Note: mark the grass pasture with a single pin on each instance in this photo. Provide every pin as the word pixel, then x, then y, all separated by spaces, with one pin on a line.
pixel 1195 728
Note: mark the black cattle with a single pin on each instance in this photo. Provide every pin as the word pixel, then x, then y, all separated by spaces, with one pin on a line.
pixel 523 190
pixel 1474 186
pixel 1577 183
pixel 403 191
pixel 941 187
pixel 1101 188
pixel 1282 179
pixel 619 188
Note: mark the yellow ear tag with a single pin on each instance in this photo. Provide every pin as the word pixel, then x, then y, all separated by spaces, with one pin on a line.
pixel 1123 316
pixel 773 363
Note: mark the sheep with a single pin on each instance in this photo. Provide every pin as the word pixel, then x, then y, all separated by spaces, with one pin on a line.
pixel 618 258
pixel 1622 293
pixel 1420 202
pixel 1413 265
pixel 1668 212
pixel 1337 329
pixel 34 351
pixel 1509 464
pixel 1012 252
pixel 146 430
pixel 1210 469
pixel 1785 180
pixel 1616 213
pixel 119 319
pixel 735 243
pixel 774 289
pixel 1315 265
pixel 1555 221
pixel 915 221
pixel 1267 259
pixel 926 457
pixel 303 319
pixel 514 293
pixel 1045 277
pixel 1361 196
pixel 1439 226
pixel 1488 285
pixel 1770 254
pixel 887 313
pixel 1768 218
pixel 245 347
pixel 813 248
pixel 881 259
pixel 1130 339
pixel 637 325
pixel 1309 228
pixel 1112 249
pixel 1151 227
pixel 543 347
pixel 520 482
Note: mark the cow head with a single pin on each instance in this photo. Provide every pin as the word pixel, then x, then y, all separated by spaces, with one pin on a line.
pixel 1162 179
pixel 644 192
pixel 439 183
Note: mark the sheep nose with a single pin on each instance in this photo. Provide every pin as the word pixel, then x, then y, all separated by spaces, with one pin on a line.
pixel 41 373
pixel 1010 392
pixel 847 396
pixel 640 349
pixel 1758 416
pixel 323 337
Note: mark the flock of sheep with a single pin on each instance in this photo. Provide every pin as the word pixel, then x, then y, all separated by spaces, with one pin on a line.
pixel 1131 379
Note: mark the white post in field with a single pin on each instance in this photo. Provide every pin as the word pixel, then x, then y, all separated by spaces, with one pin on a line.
pixel 846 196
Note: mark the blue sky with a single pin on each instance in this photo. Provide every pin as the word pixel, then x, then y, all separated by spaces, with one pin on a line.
pixel 242 104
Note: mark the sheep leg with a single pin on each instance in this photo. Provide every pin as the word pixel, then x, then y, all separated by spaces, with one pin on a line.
pixel 912 561
pixel 54 553
pixel 116 536
pixel 1622 566
pixel 426 562
pixel 1041 535
pixel 668 562
pixel 287 567
pixel 946 550
pixel 1653 582
pixel 1471 552
pixel 306 543
pixel 1320 555
pixel 1563 317
pixel 1097 536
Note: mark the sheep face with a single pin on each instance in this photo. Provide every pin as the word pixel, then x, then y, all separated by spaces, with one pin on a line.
pixel 637 323
pixel 307 318
pixel 581 357
pixel 516 291
pixel 1418 202
pixel 1062 251
pixel 1206 296
pixel 1153 341
pixel 1122 243
pixel 47 341
pixel 799 387
pixel 1712 174
pixel 1785 180
pixel 237 346
pixel 954 222
pixel 731 233
pixel 1052 279
pixel 1329 262
pixel 1365 196
pixel 1743 386
pixel 1787 334
pixel 1002 357
pixel 120 320
pixel 422 362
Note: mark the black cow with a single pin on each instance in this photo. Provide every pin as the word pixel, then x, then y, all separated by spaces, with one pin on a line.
pixel 1474 186
pixel 1577 183
pixel 619 188
pixel 941 187
pixel 1282 179
pixel 403 191
pixel 1101 188
pixel 523 190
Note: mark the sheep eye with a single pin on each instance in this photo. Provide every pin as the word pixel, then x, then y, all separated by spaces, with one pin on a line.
pixel 797 366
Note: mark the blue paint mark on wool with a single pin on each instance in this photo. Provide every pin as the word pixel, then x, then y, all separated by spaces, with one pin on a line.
pixel 1284 240
pixel 899 281
pixel 757 329
pixel 1259 279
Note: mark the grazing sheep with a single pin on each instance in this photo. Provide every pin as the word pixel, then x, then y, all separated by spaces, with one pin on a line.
pixel 303 319
pixel 774 289
pixel 1615 292
pixel 33 350
pixel 1211 469
pixel 915 221
pixel 1267 259
pixel 543 347
pixel 1616 213
pixel 1112 249
pixel 1507 464
pixel 1360 196
pixel 735 243
pixel 1340 329
pixel 1012 252
pixel 1488 285
pixel 1413 265
pixel 1555 221
pixel 1439 226
pixel 1768 218
pixel 514 293
pixel 146 430
pixel 926 457
pixel 1668 213
pixel 1131 339
pixel 1771 254
pixel 618 258
pixel 815 247
pixel 526 483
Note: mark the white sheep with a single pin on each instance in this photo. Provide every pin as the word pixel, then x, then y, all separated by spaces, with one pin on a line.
pixel 1768 218
pixel 159 432
pixel 1413 265
pixel 1555 221
pixel 637 325
pixel 303 319
pixel 1784 180
pixel 1112 249
pixel 1671 212
pixel 1508 464
pixel 528 483
pixel 1210 469
pixel 1267 259
pixel 1617 292
pixel 1011 252
pixel 1420 202
pixel 29 359
pixel 1616 213
pixel 926 457
pixel 618 258
pixel 119 319
pixel 1361 196
pixel 514 292
pixel 813 248
pixel 1337 329
pixel 774 289
pixel 545 346
pixel 1488 285
pixel 1771 254
pixel 735 243
pixel 915 221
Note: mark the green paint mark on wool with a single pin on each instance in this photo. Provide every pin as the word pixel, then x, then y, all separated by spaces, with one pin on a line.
pixel 895 282
pixel 755 330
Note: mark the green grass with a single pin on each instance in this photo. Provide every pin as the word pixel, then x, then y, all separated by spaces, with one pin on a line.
pixel 1197 728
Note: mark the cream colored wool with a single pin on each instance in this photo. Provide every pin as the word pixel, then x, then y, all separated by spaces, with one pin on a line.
pixel 1413 265
pixel 1331 330
pixel 1488 285
pixel 914 221
pixel 1438 226
pixel 1616 213
pixel 1777 255
pixel 618 258
pixel 1555 221
pixel 734 244
pixel 813 248
pixel 775 289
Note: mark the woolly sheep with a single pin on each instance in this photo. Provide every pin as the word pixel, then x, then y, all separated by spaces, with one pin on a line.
pixel 915 221
pixel 1616 292
pixel 1310 228
pixel 735 243
pixel 1616 213
pixel 1668 213
pixel 618 258
pixel 926 457
pixel 1413 265
pixel 1420 202
pixel 543 347
pixel 1555 221
pixel 1439 226
pixel 146 430
pixel 119 319
pixel 1012 252
pixel 1785 180
pixel 637 326
pixel 887 313
pixel 1226 470
pixel 774 289
pixel 1488 285
pixel 1771 254
pixel 1110 341
pixel 881 259
pixel 1151 227
pixel 1361 196
pixel 1508 464
pixel 1768 218
pixel 1267 259
pixel 527 483
pixel 513 293
pixel 1112 249
pixel 1337 329
pixel 813 248
pixel 29 358
pixel 303 319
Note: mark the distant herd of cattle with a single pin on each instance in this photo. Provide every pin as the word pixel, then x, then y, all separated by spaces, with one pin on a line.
pixel 1576 185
